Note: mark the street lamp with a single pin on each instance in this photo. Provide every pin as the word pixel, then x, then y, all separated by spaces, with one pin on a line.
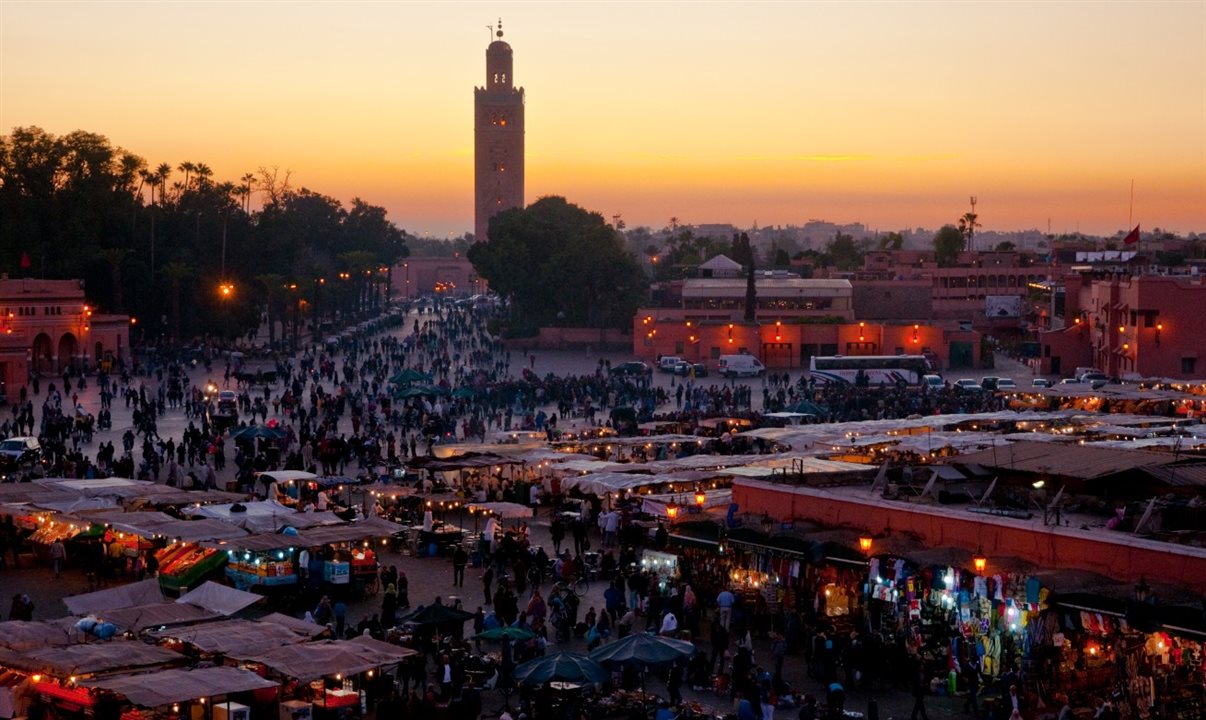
pixel 979 562
pixel 226 290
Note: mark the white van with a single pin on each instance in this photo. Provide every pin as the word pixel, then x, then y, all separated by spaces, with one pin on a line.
pixel 740 366
pixel 667 363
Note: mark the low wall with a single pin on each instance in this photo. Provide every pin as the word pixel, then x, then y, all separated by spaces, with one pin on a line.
pixel 1113 554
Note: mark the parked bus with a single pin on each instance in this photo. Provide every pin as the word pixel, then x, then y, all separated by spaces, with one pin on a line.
pixel 898 370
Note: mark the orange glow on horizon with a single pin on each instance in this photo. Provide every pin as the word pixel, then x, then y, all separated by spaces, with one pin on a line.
pixel 805 110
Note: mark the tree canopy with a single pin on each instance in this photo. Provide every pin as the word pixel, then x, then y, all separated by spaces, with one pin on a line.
pixel 948 243
pixel 560 265
pixel 157 241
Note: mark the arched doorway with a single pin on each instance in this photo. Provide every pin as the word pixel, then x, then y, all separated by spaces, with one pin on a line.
pixel 68 348
pixel 43 354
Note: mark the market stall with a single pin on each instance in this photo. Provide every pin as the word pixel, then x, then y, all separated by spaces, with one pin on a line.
pixel 185 564
pixel 168 689
pixel 330 673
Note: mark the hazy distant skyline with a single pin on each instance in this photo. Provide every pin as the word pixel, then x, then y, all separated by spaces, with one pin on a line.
pixel 887 113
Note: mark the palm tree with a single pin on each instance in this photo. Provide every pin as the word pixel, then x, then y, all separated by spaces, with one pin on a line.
pixel 114 257
pixel 162 173
pixel 967 226
pixel 186 167
pixel 203 173
pixel 176 273
pixel 248 182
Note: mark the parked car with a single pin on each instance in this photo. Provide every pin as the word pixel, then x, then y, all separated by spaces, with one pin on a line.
pixel 1040 383
pixel 634 368
pixel 1006 384
pixel 685 368
pixel 1071 381
pixel 969 385
pixel 989 382
pixel 20 453
pixel 933 382
pixel 1092 377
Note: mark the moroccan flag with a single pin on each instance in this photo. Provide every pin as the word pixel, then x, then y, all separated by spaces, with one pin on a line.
pixel 26 263
pixel 1132 237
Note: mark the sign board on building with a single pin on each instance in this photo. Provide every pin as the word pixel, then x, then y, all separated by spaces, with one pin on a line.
pixel 1003 306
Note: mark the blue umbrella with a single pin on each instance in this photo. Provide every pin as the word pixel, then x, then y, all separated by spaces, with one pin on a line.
pixel 564 666
pixel 643 649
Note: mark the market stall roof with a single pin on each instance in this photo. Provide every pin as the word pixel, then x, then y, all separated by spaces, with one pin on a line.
pixel 294 624
pixel 180 685
pixel 313 660
pixel 656 504
pixel 264 516
pixel 603 482
pixel 218 598
pixel 151 524
pixel 505 510
pixel 90 658
pixel 462 462
pixel 143 592
pixel 372 527
pixel 162 614
pixel 262 541
pixel 25 635
pixel 1076 461
pixel 226 636
pixel 288 476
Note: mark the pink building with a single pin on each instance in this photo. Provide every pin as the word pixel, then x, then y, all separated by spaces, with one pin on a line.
pixel 419 276
pixel 1130 325
pixel 796 319
pixel 47 326
pixel 987 289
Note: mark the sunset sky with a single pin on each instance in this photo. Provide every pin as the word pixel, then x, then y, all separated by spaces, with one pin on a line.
pixel 888 113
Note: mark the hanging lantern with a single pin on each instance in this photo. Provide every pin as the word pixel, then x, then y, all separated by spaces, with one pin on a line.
pixel 864 543
pixel 700 498
pixel 671 510
pixel 980 563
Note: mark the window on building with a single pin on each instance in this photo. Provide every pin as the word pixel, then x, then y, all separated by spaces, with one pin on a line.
pixel 715 353
pixel 1150 317
pixel 1134 317
pixel 678 347
pixel 1189 365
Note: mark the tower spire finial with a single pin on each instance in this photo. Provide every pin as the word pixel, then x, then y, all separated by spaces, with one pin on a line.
pixel 500 32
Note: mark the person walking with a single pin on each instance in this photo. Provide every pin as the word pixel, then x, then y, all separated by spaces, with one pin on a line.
pixel 972 681
pixel 58 553
pixel 487 581
pixel 919 689
pixel 460 559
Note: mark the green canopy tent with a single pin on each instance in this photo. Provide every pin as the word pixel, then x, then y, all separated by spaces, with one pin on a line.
pixel 419 391
pixel 409 375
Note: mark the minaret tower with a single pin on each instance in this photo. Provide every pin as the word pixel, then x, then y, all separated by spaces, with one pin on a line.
pixel 498 138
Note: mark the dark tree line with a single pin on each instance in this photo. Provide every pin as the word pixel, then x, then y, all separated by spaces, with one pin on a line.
pixel 560 265
pixel 160 242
